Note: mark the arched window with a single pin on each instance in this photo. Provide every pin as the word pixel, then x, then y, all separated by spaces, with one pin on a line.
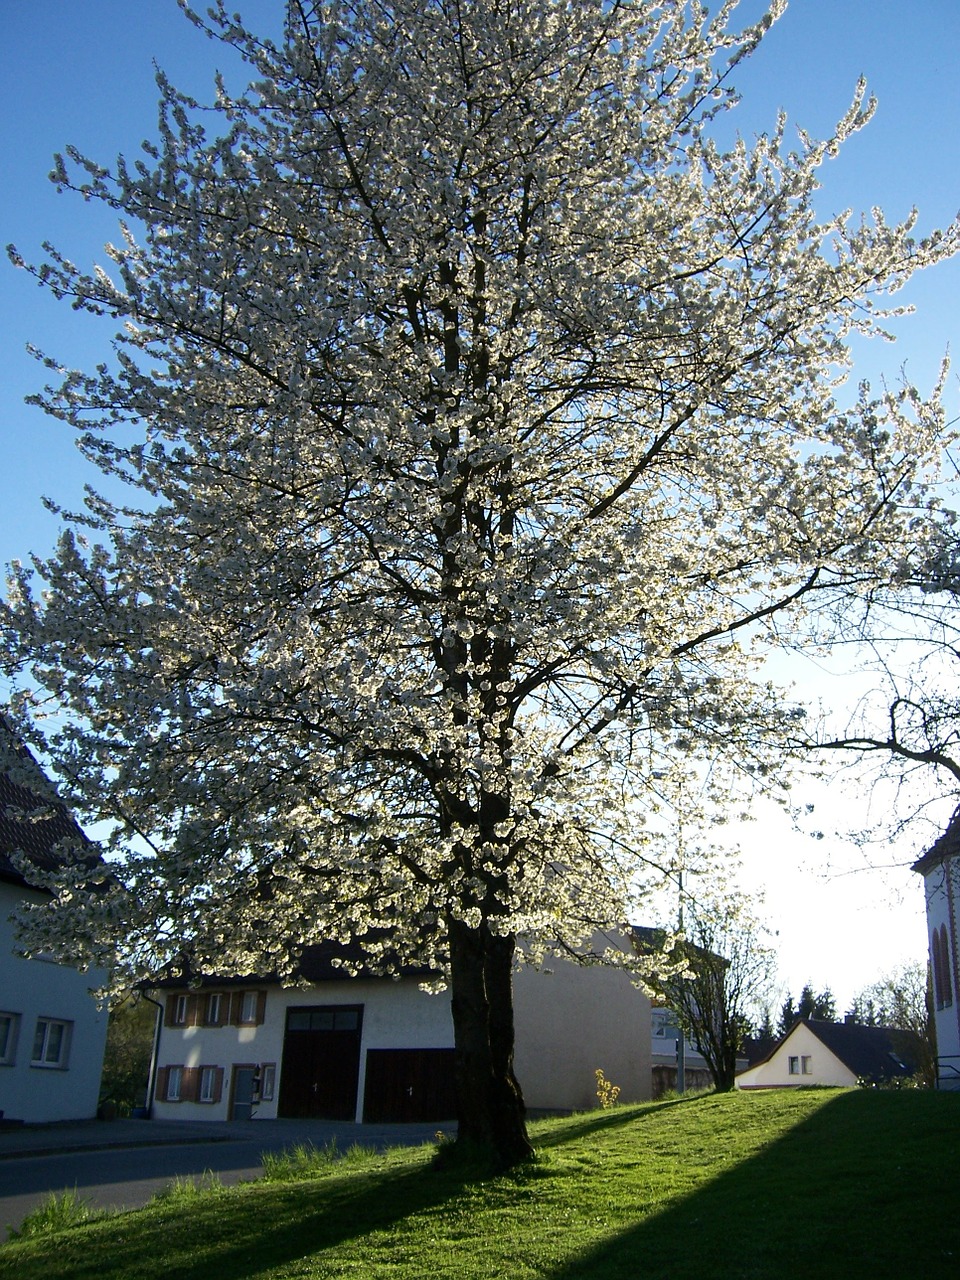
pixel 937 974
pixel 945 967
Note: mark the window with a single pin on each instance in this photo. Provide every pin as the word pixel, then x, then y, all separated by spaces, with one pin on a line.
pixel 793 1066
pixel 251 1008
pixel 806 1067
pixel 180 1011
pixel 208 1085
pixel 940 955
pixel 51 1043
pixel 174 1084
pixel 211 1014
pixel 268 1081
pixel 945 967
pixel 9 1026
pixel 332 1018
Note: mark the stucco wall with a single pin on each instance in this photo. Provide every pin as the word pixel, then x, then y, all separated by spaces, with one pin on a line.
pixel 569 1022
pixel 34 989
pixel 775 1073
pixel 396 1015
pixel 572 1019
pixel 942 892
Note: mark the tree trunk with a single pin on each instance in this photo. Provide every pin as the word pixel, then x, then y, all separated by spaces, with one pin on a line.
pixel 490 1109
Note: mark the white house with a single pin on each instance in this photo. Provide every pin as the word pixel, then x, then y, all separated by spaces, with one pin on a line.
pixel 940 868
pixel 379 1049
pixel 51 1032
pixel 832 1053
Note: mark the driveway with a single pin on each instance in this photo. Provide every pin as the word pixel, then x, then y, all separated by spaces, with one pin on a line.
pixel 122 1164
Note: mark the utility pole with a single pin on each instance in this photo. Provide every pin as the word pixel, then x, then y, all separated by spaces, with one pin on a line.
pixel 681 1047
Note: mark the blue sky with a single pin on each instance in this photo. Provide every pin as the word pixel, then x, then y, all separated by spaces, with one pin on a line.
pixel 82 73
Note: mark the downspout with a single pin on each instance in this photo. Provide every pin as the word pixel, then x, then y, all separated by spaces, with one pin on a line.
pixel 154 1055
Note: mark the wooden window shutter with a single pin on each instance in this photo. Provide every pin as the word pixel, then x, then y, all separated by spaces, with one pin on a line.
pixel 194 1010
pixel 160 1089
pixel 218 1084
pixel 170 1011
pixel 261 1006
pixel 236 1004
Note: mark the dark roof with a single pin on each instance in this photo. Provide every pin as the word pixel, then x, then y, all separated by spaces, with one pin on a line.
pixel 41 823
pixel 871 1053
pixel 758 1048
pixel 319 962
pixel 947 846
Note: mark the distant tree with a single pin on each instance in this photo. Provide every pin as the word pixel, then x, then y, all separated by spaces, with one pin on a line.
pixel 725 967
pixel 820 1006
pixel 903 1000
pixel 126 1060
pixel 765 1032
pixel 788 1016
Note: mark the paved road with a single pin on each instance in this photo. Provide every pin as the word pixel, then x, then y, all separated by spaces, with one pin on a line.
pixel 123 1165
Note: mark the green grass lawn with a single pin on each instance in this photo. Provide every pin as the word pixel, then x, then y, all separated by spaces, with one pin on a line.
pixel 818 1184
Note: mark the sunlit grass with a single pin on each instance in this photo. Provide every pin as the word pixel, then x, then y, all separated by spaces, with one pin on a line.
pixel 709 1188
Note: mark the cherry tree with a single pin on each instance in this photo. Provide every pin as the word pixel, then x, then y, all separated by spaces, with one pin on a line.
pixel 478 416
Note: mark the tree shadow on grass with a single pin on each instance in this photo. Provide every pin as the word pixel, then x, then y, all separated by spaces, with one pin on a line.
pixel 265 1226
pixel 865 1187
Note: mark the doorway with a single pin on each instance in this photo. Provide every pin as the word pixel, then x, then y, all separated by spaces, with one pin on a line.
pixel 321 1062
pixel 241 1092
pixel 407 1086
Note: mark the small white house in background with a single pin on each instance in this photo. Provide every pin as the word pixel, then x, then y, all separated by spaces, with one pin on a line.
pixel 376 1049
pixel 940 868
pixel 51 1032
pixel 832 1053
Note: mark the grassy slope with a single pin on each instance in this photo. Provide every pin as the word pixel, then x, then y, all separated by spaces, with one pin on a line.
pixel 820 1183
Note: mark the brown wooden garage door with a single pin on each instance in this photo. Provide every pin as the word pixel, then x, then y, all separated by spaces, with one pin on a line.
pixel 409 1086
pixel 321 1062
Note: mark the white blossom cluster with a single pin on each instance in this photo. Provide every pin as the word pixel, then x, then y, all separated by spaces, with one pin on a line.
pixel 479 416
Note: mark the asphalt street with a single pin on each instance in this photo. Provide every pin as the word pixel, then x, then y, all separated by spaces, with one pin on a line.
pixel 123 1165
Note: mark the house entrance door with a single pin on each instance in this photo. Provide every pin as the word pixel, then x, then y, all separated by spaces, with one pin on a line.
pixel 321 1062
pixel 241 1103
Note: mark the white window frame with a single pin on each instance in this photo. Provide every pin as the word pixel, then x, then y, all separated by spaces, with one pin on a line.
pixel 9 1034
pixel 214 1007
pixel 268 1081
pixel 249 1003
pixel 180 1011
pixel 806 1067
pixel 50 1051
pixel 174 1084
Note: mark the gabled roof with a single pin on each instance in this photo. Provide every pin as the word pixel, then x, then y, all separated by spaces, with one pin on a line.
pixel 870 1053
pixel 37 824
pixel 947 846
